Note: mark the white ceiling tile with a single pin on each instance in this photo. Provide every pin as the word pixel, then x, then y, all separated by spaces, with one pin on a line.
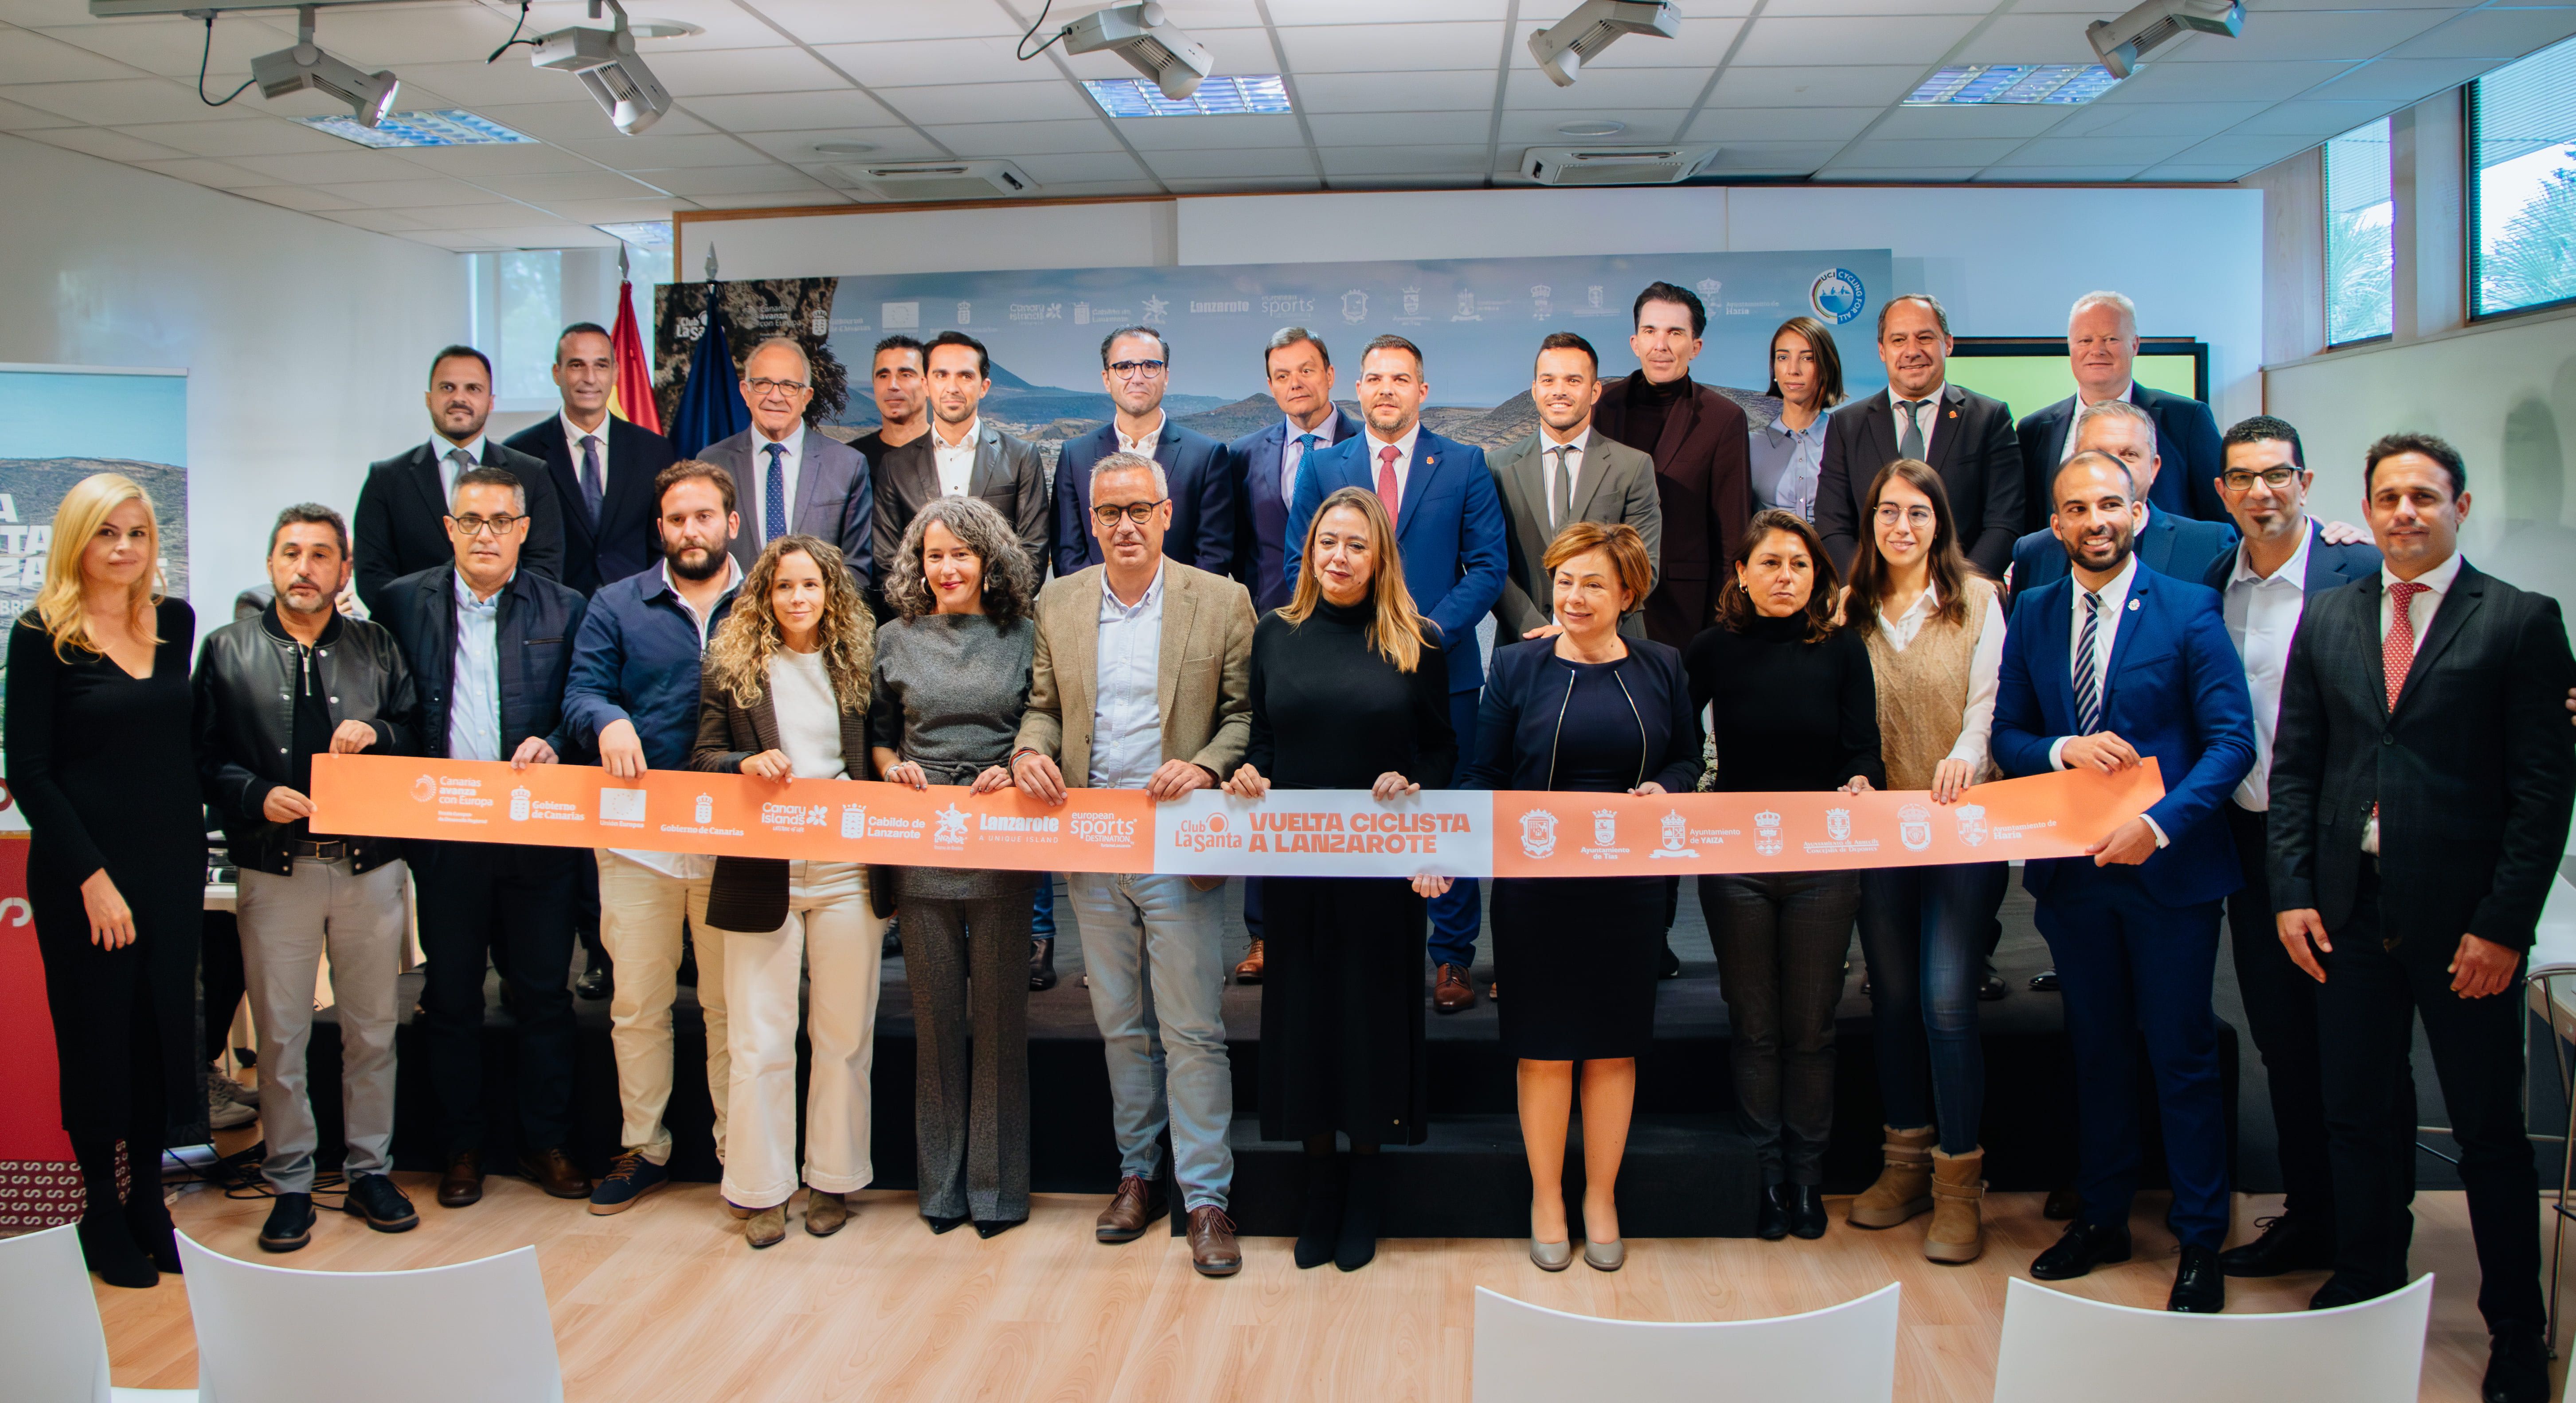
pixel 2362 4
pixel 1530 89
pixel 1252 185
pixel 1401 160
pixel 1957 151
pixel 1396 92
pixel 2195 119
pixel 472 216
pixel 1540 128
pixel 1229 51
pixel 18 117
pixel 920 62
pixel 2254 151
pixel 1394 48
pixel 303 197
pixel 349 164
pixel 1701 44
pixel 822 22
pixel 2178 170
pixel 592 185
pixel 658 152
pixel 1826 8
pixel 1027 138
pixel 1195 16
pixel 1727 125
pixel 1055 170
pixel 228 139
pixel 892 143
pixel 2132 151
pixel 2314 118
pixel 1930 123
pixel 200 171
pixel 1362 12
pixel 115 102
pixel 403 194
pixel 2059 173
pixel 822 195
pixel 1901 175
pixel 173 46
pixel 1203 133
pixel 388 36
pixel 1085 188
pixel 1772 157
pixel 2305 34
pixel 29 57
pixel 1853 86
pixel 727 25
pixel 621 211
pixel 785 112
pixel 2221 82
pixel 1411 129
pixel 461 84
pixel 1216 165
pixel 1049 98
pixel 379 221
pixel 2022 38
pixel 579 119
pixel 2495 34
pixel 2404 79
pixel 1893 39
pixel 102 143
pixel 534 158
pixel 535 235
pixel 751 178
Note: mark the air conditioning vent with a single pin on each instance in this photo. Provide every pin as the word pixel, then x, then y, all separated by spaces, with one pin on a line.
pixel 1614 165
pixel 939 180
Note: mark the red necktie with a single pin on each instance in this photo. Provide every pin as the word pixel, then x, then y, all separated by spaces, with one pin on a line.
pixel 1386 479
pixel 2397 651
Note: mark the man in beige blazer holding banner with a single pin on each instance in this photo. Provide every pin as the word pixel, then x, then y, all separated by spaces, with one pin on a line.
pixel 1564 473
pixel 1143 681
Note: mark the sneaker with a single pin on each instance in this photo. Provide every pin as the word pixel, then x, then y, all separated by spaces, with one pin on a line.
pixel 223 1112
pixel 233 1091
pixel 630 1176
pixel 374 1198
pixel 289 1225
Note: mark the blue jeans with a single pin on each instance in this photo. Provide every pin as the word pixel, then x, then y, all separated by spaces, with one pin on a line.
pixel 1153 947
pixel 1923 931
pixel 1456 916
pixel 1042 909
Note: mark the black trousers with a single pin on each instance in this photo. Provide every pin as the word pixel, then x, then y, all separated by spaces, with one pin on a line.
pixel 2365 1023
pixel 219 972
pixel 511 907
pixel 1781 939
pixel 2281 1014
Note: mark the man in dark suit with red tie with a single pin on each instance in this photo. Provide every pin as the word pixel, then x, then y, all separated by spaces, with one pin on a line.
pixel 1966 437
pixel 600 467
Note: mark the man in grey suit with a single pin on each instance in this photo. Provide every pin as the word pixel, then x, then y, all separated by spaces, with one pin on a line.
pixel 962 456
pixel 795 479
pixel 1564 473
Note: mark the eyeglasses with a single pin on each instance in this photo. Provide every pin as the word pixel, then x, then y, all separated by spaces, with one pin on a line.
pixel 1890 513
pixel 783 387
pixel 2242 480
pixel 1137 369
pixel 472 526
pixel 1138 512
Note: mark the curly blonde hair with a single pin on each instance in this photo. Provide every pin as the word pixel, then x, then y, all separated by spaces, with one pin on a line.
pixel 738 656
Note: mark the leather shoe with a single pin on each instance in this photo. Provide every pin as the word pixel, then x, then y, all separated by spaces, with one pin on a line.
pixel 2517 1369
pixel 2083 1247
pixel 1771 1215
pixel 554 1172
pixel 1806 1204
pixel 1671 967
pixel 594 981
pixel 2199 1288
pixel 1042 965
pixel 1991 988
pixel 1450 991
pixel 2285 1246
pixel 2344 1289
pixel 1249 972
pixel 1139 1201
pixel 1212 1247
pixel 462 1185
pixel 890 945
pixel 2044 982
pixel 2061 1205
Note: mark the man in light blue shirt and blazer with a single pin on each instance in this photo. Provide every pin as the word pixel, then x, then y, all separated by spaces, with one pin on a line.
pixel 1451 534
pixel 2109 667
pixel 1136 369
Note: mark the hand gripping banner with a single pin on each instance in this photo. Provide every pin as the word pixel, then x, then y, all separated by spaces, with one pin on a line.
pixel 1292 833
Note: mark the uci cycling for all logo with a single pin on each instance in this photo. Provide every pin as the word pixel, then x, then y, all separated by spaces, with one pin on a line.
pixel 1838 296
pixel 1102 830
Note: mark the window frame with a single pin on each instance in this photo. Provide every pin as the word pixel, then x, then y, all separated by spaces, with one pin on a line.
pixel 2325 240
pixel 2472 214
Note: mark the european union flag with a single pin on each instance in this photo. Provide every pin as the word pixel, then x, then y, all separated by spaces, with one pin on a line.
pixel 711 408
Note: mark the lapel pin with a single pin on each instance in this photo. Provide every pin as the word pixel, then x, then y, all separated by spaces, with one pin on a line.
pixel 1954 414
pixel 2133 606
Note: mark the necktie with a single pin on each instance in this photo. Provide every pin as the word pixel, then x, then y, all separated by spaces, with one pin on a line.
pixel 593 489
pixel 773 497
pixel 1909 441
pixel 2397 651
pixel 1288 472
pixel 1560 492
pixel 1386 479
pixel 461 461
pixel 2088 682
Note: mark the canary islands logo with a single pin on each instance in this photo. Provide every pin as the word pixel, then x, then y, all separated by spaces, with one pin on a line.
pixel 1838 296
pixel 1538 834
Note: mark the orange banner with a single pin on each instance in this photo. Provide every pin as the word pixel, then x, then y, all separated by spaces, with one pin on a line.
pixel 1458 833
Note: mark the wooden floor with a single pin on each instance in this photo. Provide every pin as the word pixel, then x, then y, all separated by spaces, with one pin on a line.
pixel 666 1302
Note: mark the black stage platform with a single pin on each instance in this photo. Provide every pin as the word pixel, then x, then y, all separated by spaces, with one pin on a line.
pixel 1688 1171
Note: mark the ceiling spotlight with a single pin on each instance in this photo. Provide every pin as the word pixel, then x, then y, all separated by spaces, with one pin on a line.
pixel 2124 43
pixel 369 95
pixel 1565 46
pixel 605 61
pixel 1142 35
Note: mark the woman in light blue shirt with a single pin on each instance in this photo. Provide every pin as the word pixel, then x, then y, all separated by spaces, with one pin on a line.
pixel 1789 452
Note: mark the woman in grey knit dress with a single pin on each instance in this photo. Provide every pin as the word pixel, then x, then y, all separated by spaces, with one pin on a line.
pixel 952 677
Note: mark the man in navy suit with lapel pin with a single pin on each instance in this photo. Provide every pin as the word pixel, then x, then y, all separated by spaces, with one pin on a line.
pixel 2111 666
pixel 2102 348
pixel 400 527
pixel 600 466
pixel 1136 369
pixel 2171 544
pixel 2265 583
pixel 1450 532
pixel 1966 437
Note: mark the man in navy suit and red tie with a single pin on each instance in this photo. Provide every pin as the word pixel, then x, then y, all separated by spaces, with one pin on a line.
pixel 1136 370
pixel 1450 531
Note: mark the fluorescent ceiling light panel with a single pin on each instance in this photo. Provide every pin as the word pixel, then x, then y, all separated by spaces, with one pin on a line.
pixel 1982 83
pixel 1225 95
pixel 447 127
pixel 643 233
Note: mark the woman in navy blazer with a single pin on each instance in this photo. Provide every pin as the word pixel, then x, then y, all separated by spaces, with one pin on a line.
pixel 1590 711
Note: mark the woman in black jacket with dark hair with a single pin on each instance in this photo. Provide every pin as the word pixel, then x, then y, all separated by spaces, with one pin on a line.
pixel 1585 710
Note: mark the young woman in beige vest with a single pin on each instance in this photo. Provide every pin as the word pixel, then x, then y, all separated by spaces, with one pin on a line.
pixel 1936 643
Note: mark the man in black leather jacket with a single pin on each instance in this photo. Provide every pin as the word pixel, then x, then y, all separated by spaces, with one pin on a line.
pixel 272 692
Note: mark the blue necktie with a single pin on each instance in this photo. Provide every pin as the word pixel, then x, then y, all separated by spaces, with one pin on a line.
pixel 1288 482
pixel 773 506
pixel 2088 687
pixel 592 488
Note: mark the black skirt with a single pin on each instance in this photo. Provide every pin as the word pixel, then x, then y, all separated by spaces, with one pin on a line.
pixel 1341 1009
pixel 1576 958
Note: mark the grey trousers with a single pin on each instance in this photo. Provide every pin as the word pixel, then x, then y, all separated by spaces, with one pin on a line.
pixel 287 923
pixel 973 1128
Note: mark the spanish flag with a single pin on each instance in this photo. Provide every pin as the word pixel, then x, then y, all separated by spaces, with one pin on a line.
pixel 632 398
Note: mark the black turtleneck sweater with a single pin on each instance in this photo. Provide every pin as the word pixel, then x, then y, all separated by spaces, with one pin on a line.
pixel 1791 715
pixel 1648 404
pixel 1328 712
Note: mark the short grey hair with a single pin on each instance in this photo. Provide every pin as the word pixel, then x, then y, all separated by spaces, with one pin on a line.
pixel 791 343
pixel 485 475
pixel 1010 581
pixel 2128 309
pixel 2117 409
pixel 1127 463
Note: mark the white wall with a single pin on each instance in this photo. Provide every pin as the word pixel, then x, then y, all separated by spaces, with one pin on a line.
pixel 306 342
pixel 2006 262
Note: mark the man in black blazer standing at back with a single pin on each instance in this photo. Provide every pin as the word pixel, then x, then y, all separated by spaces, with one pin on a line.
pixel 1966 437
pixel 600 467
pixel 2421 779
pixel 2102 349
pixel 961 456
pixel 1136 369
pixel 401 523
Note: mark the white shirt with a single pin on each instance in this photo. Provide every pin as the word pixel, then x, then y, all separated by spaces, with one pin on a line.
pixel 1143 444
pixel 1291 455
pixel 2083 406
pixel 809 715
pixel 1571 458
pixel 956 461
pixel 2262 616
pixel 1371 443
pixel 440 448
pixel 2115 605
pixel 755 524
pixel 2419 612
pixel 1933 408
pixel 1985 667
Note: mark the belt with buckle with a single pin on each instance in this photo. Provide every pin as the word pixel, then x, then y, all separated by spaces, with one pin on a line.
pixel 332 851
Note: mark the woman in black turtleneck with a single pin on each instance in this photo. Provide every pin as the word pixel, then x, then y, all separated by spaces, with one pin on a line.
pixel 1795 708
pixel 1349 691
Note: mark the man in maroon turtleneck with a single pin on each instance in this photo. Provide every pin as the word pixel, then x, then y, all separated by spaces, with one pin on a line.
pixel 1700 443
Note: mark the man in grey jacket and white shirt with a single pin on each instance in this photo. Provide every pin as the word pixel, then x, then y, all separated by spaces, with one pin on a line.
pixel 1564 473
pixel 795 479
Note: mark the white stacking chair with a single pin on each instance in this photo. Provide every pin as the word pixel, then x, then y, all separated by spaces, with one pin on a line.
pixel 2549 983
pixel 1841 1354
pixel 476 1330
pixel 51 1346
pixel 2058 1347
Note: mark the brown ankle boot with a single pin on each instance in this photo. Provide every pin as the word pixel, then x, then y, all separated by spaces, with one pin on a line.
pixel 1904 1187
pixel 1958 1230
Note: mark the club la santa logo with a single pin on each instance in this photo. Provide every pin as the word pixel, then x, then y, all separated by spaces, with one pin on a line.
pixel 1914 827
pixel 1538 833
pixel 1972 824
pixel 1766 833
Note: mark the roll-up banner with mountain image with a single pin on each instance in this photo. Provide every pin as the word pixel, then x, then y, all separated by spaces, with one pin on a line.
pixel 1478 322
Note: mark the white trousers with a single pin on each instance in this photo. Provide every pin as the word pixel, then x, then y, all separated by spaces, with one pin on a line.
pixel 640 911
pixel 831 932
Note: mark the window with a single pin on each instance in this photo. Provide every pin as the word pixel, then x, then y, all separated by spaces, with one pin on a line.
pixel 2360 242
pixel 2522 173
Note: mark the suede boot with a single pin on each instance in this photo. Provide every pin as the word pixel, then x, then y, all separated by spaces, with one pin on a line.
pixel 1904 1187
pixel 1958 1230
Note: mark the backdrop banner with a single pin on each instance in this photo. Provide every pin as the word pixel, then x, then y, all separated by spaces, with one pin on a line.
pixel 1291 833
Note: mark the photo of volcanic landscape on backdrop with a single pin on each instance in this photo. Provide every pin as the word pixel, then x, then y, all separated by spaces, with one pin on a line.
pixel 1478 322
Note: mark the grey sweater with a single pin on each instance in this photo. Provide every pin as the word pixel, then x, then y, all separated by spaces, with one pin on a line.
pixel 948 696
